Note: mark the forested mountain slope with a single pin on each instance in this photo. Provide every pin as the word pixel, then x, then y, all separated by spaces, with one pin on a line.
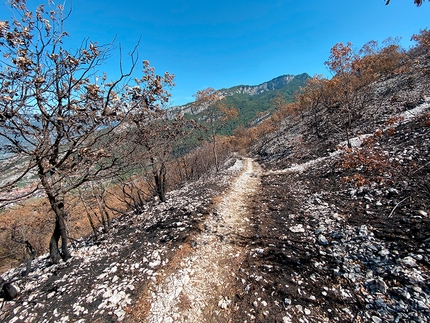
pixel 251 102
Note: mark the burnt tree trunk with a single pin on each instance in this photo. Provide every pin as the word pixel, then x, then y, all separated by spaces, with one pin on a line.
pixel 347 129
pixel 56 201
pixel 160 182
pixel 214 148
pixel 32 253
pixel 7 290
pixel 60 232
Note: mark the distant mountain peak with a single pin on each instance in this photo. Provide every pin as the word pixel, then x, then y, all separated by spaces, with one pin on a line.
pixel 274 84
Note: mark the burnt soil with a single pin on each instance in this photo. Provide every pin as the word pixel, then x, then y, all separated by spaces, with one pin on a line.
pixel 323 245
pixel 357 274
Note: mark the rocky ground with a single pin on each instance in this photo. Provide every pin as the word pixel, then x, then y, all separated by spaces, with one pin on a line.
pixel 327 240
pixel 106 279
pixel 201 288
pixel 328 248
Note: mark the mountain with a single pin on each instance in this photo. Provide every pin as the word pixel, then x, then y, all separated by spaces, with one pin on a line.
pixel 277 83
pixel 247 97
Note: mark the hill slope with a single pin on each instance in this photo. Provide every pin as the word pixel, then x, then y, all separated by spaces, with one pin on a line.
pixel 329 233
pixel 306 248
pixel 251 100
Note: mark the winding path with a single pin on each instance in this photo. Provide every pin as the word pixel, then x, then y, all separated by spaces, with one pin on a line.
pixel 199 290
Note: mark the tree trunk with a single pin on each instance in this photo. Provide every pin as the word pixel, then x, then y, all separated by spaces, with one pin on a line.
pixel 90 218
pixel 54 252
pixel 317 124
pixel 59 233
pixel 160 182
pixel 32 253
pixel 348 126
pixel 215 153
pixel 106 213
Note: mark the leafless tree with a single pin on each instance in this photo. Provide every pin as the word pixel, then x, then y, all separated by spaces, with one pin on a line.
pixel 311 100
pixel 155 143
pixel 348 90
pixel 60 119
pixel 215 112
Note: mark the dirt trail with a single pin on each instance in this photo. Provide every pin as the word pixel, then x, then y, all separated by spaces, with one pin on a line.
pixel 199 290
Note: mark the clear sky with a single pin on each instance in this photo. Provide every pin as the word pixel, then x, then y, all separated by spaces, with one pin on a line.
pixel 230 42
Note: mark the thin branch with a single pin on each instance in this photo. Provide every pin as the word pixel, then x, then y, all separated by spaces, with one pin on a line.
pixel 392 211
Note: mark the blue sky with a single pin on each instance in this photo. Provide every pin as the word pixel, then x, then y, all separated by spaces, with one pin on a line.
pixel 230 42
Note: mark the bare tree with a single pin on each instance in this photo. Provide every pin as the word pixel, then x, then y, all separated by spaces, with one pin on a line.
pixel 311 99
pixel 215 112
pixel 93 200
pixel 156 141
pixel 348 90
pixel 58 116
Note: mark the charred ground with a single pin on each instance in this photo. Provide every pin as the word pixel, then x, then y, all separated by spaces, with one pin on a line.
pixel 327 249
pixel 333 233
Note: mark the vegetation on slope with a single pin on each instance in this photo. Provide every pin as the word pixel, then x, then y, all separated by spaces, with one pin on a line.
pixel 251 107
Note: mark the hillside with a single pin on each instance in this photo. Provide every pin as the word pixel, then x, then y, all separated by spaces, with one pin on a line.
pixel 317 224
pixel 250 100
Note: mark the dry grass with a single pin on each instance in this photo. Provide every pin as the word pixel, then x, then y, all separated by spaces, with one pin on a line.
pixel 34 221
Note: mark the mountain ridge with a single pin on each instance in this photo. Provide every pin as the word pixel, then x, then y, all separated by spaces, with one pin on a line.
pixel 273 84
pixel 277 83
